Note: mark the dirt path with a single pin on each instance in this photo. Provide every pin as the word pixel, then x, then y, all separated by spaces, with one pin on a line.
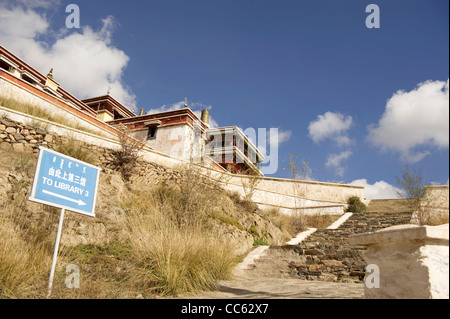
pixel 269 278
pixel 280 288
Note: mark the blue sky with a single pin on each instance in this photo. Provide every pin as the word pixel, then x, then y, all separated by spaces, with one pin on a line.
pixel 357 103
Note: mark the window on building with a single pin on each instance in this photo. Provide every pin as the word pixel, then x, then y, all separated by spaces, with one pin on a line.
pixel 26 78
pixel 151 132
pixel 5 66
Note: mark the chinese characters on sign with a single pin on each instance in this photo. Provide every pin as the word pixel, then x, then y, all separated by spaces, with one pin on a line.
pixel 65 182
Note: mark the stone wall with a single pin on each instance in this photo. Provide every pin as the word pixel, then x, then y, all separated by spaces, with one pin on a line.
pixel 286 195
pixel 26 138
pixel 326 254
pixel 23 137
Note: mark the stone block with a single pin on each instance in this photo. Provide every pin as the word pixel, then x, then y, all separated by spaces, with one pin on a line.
pixel 413 261
pixel 332 263
pixel 314 252
pixel 18 137
pixel 48 138
pixel 7 123
pixel 10 130
pixel 315 267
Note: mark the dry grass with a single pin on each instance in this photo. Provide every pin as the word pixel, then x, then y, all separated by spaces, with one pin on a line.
pixel 399 205
pixel 76 149
pixel 173 260
pixel 41 113
pixel 25 243
pixel 22 262
pixel 291 225
pixel 174 253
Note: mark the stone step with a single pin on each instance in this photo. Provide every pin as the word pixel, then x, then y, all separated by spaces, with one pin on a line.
pixel 326 255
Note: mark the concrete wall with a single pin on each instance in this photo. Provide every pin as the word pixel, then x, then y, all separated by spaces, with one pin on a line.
pixel 292 196
pixel 412 262
pixel 434 207
pixel 437 196
pixel 9 90
pixel 174 140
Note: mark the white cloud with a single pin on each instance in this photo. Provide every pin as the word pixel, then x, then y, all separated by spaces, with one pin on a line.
pixel 167 107
pixel 195 107
pixel 331 126
pixel 284 136
pixel 84 61
pixel 378 190
pixel 419 118
pixel 32 4
pixel 335 161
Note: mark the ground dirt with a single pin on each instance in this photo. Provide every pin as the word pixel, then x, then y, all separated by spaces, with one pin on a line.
pixel 273 280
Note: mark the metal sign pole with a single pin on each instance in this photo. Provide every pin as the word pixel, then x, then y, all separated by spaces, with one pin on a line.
pixel 55 252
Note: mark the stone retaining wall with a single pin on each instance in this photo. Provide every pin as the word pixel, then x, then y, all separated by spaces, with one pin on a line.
pixel 327 255
pixel 286 195
pixel 26 138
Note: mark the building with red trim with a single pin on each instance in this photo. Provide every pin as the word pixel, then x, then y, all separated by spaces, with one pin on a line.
pixel 178 133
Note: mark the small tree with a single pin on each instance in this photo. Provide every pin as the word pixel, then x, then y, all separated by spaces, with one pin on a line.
pixel 425 206
pixel 301 171
pixel 127 156
pixel 249 184
pixel 412 188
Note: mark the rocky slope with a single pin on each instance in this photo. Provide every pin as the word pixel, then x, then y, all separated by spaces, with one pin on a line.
pixel 18 151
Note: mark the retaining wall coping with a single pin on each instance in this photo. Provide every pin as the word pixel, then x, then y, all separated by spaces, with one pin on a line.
pixel 278 179
pixel 402 233
pixel 436 186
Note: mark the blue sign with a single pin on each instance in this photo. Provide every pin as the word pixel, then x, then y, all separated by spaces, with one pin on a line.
pixel 65 182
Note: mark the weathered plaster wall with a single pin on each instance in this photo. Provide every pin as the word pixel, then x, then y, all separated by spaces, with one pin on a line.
pixel 413 261
pixel 292 195
pixel 9 90
pixel 437 196
pixel 173 140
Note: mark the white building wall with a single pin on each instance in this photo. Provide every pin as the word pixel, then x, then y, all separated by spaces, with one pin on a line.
pixel 10 90
pixel 174 140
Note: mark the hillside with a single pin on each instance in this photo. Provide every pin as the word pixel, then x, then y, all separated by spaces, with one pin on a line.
pixel 161 232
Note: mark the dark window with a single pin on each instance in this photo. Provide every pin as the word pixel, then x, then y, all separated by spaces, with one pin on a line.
pixel 4 65
pixel 151 132
pixel 26 78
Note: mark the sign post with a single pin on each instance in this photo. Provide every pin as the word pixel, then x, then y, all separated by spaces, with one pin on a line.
pixel 67 183
pixel 55 253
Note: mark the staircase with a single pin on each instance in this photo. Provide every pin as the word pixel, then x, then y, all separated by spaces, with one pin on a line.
pixel 326 255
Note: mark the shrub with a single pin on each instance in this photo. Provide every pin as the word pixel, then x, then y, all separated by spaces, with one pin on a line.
pixel 128 155
pixel 355 205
